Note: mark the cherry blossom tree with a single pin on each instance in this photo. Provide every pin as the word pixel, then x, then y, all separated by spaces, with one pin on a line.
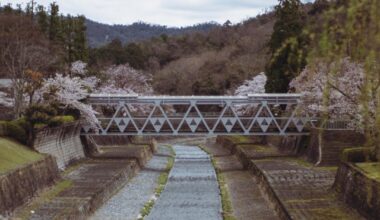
pixel 334 90
pixel 69 91
pixel 78 68
pixel 123 79
pixel 253 86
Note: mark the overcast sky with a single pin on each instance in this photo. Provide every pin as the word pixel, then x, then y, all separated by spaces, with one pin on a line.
pixel 165 12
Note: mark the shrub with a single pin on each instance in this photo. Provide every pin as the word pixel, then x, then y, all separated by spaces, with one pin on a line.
pixel 16 131
pixel 3 128
pixel 36 114
pixel 59 120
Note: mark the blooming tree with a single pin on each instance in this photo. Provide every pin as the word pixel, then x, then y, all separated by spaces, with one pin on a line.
pixel 123 79
pixel 253 86
pixel 333 90
pixel 79 68
pixel 69 91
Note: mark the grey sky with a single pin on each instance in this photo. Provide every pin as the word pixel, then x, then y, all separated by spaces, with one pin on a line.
pixel 164 12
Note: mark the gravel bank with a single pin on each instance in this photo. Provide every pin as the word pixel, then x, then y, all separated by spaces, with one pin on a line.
pixel 128 202
pixel 192 189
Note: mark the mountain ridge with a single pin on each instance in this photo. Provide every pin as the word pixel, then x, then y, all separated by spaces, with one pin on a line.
pixel 99 34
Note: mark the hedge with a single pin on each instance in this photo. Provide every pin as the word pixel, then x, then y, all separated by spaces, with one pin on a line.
pixel 15 129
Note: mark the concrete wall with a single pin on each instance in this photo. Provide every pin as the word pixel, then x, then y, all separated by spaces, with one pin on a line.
pixel 358 191
pixel 19 186
pixel 333 143
pixel 62 142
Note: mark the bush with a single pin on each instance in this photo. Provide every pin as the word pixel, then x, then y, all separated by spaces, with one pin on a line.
pixel 37 114
pixel 15 130
pixel 3 128
pixel 59 120
pixel 357 155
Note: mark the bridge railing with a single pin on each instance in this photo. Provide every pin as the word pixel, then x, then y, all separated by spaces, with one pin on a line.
pixel 270 114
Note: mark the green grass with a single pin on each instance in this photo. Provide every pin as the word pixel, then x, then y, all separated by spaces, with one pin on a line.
pixel 371 170
pixel 14 155
pixel 240 139
pixel 162 179
pixel 225 197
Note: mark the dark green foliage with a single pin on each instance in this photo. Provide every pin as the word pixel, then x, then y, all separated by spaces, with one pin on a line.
pixel 135 56
pixel 42 19
pixel 115 53
pixel 15 130
pixel 287 46
pixel 37 114
pixel 54 22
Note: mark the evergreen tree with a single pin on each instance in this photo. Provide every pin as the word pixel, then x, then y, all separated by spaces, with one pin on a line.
pixel 29 10
pixel 286 46
pixel 8 8
pixel 54 22
pixel 80 41
pixel 67 38
pixel 42 19
pixel 135 56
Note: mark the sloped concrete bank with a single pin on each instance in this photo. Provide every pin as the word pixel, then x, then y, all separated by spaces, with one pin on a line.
pixel 296 189
pixel 232 143
pixel 89 178
pixel 93 183
pixel 62 142
pixel 19 186
pixel 127 203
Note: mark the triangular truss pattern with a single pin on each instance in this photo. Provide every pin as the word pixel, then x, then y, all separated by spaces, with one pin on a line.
pixel 193 123
pixel 271 115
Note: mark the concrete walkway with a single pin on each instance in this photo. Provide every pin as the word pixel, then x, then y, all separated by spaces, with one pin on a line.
pixel 129 201
pixel 246 198
pixel 192 190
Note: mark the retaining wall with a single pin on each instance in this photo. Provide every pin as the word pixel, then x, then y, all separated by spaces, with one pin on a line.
pixel 19 186
pixel 333 143
pixel 358 191
pixel 62 142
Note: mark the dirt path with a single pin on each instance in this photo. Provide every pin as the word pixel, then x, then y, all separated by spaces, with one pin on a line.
pixel 192 190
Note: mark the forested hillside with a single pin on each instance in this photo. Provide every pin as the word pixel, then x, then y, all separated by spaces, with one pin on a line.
pixel 100 34
pixel 196 63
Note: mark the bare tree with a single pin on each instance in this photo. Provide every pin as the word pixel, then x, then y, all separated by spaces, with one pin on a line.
pixel 23 48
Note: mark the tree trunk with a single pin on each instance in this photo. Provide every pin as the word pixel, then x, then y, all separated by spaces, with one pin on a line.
pixel 19 101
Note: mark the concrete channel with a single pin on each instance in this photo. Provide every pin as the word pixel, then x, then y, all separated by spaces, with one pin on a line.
pixel 192 190
pixel 128 202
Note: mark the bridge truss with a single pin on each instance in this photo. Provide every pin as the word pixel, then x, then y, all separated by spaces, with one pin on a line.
pixel 256 114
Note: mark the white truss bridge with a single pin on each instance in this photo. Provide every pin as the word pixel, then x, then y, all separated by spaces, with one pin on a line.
pixel 255 114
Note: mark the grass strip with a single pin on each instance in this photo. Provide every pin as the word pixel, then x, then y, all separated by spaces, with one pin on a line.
pixel 162 179
pixel 225 197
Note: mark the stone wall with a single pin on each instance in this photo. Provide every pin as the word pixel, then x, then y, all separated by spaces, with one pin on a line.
pixel 358 191
pixel 62 142
pixel 19 186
